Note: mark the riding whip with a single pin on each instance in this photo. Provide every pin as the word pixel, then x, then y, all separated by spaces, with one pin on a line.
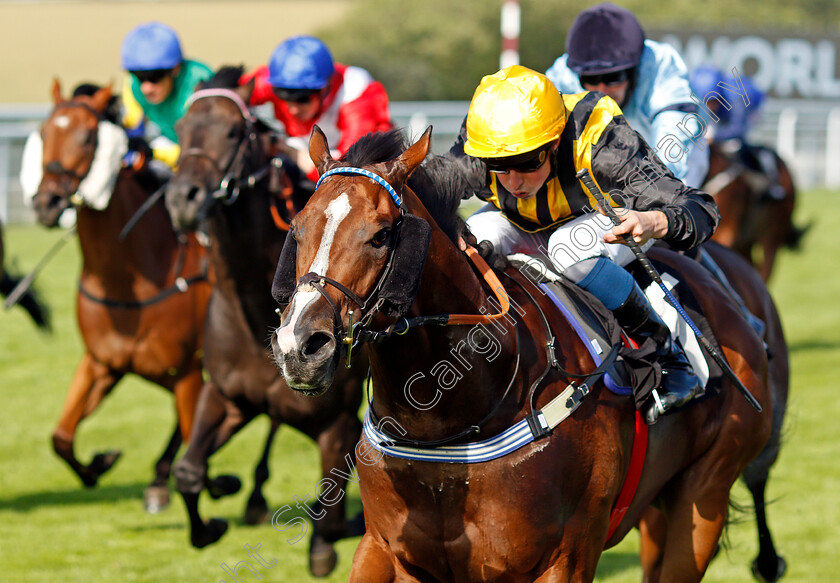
pixel 24 284
pixel 585 177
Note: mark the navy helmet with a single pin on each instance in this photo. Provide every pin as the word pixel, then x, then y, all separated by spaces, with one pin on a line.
pixel 604 39
pixel 151 46
pixel 301 62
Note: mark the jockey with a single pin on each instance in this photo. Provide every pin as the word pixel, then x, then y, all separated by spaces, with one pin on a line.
pixel 734 104
pixel 606 51
pixel 157 86
pixel 306 87
pixel 522 144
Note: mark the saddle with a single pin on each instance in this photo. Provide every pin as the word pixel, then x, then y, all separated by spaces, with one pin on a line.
pixel 635 371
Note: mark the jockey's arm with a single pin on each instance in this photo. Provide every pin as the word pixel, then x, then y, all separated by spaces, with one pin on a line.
pixel 665 207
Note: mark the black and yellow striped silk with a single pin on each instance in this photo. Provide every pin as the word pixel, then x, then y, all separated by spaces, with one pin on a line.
pixel 562 197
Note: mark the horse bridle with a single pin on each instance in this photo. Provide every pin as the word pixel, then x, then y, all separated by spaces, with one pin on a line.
pixel 229 185
pixel 359 331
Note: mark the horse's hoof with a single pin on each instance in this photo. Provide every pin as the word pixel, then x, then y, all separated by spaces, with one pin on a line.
pixel 255 513
pixel 212 531
pixel 322 558
pixel 101 463
pixel 224 486
pixel 355 526
pixel 156 499
pixel 781 567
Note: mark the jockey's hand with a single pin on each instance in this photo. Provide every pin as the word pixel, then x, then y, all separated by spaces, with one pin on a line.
pixel 641 225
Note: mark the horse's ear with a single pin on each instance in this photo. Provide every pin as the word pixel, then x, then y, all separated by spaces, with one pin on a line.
pixel 56 91
pixel 319 150
pixel 398 171
pixel 245 91
pixel 102 98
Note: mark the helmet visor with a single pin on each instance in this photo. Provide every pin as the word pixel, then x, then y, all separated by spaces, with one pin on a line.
pixel 294 95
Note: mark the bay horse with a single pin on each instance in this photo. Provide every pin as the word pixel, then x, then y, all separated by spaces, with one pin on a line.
pixel 229 185
pixel 541 512
pixel 745 280
pixel 754 224
pixel 141 302
pixel 29 301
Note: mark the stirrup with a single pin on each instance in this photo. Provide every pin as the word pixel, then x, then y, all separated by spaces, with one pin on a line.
pixel 658 402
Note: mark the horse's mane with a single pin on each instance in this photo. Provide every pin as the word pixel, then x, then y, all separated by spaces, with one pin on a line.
pixel 438 182
pixel 226 77
pixel 112 110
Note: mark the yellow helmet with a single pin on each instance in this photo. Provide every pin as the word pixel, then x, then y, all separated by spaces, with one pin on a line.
pixel 513 111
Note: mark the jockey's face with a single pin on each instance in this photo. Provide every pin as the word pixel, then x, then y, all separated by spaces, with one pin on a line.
pixel 617 92
pixel 527 184
pixel 613 84
pixel 157 88
pixel 307 110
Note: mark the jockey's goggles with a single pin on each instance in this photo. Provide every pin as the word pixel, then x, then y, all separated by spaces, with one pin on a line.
pixel 521 163
pixel 152 76
pixel 609 79
pixel 295 95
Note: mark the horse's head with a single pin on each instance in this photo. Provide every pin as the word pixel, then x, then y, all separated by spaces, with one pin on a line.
pixel 70 137
pixel 217 136
pixel 354 247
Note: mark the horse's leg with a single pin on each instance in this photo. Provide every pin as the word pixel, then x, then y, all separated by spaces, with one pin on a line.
pixel 768 565
pixel 653 531
pixel 156 495
pixel 256 511
pixel 217 419
pixel 337 445
pixel 372 563
pixel 186 391
pixel 91 382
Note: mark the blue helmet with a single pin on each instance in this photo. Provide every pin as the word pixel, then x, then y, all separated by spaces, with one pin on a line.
pixel 705 78
pixel 604 39
pixel 151 46
pixel 301 62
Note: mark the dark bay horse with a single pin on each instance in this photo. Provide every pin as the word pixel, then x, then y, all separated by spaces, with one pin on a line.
pixel 141 301
pixel 541 512
pixel 754 224
pixel 29 301
pixel 228 185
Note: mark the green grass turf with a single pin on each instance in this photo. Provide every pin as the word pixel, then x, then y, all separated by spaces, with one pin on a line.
pixel 55 530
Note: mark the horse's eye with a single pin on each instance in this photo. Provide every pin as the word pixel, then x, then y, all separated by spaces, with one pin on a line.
pixel 380 238
pixel 233 134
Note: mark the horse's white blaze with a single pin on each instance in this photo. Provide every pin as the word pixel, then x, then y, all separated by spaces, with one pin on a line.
pixel 62 121
pixel 336 212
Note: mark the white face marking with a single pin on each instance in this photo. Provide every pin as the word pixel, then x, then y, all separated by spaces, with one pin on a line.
pixel 62 121
pixel 336 212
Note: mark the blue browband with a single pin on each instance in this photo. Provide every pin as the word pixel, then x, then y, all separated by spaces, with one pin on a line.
pixel 375 177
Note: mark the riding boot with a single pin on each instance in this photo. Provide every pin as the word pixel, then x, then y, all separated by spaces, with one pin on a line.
pixel 679 383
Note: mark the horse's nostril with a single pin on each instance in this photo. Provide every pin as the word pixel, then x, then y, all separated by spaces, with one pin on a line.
pixel 315 343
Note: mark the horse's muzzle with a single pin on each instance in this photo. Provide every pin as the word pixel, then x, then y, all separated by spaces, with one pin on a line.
pixel 307 361
pixel 49 206
pixel 185 200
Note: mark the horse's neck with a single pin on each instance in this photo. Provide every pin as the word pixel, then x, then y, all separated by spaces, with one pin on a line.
pixel 437 380
pixel 245 248
pixel 147 251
